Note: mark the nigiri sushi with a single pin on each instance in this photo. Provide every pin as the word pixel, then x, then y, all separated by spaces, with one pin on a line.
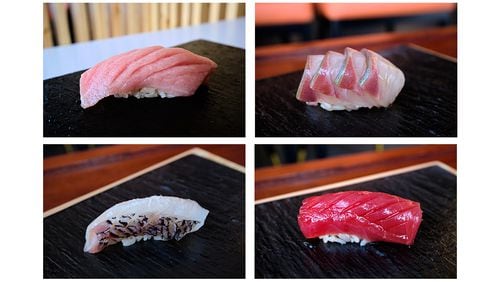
pixel 145 73
pixel 349 81
pixel 158 217
pixel 360 217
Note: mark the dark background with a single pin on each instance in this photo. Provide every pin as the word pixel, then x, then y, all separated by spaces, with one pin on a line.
pixel 269 155
pixel 55 150
pixel 320 27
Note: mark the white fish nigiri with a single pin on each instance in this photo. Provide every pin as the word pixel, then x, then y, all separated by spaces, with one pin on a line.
pixel 158 217
pixel 349 81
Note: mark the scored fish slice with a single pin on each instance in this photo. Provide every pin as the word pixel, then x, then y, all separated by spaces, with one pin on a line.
pixel 144 73
pixel 360 217
pixel 349 81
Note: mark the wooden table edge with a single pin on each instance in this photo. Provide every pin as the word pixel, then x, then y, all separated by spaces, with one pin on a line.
pixel 290 54
pixel 193 151
pixel 358 180
pixel 431 52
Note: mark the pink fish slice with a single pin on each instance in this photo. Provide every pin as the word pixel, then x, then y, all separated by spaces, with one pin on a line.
pixel 349 81
pixel 145 73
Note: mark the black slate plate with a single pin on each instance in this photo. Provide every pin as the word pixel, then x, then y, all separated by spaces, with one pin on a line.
pixel 282 251
pixel 426 107
pixel 216 110
pixel 214 251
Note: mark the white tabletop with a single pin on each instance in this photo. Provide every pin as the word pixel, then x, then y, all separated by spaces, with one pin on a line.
pixel 70 58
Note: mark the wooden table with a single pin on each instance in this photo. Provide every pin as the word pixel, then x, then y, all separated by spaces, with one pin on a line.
pixel 284 58
pixel 273 181
pixel 66 177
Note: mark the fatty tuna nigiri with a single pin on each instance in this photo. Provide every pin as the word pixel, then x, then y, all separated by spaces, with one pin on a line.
pixel 144 73
pixel 350 81
pixel 360 217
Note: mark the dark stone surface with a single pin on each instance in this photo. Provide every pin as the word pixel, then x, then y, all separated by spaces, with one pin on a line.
pixel 215 110
pixel 282 251
pixel 216 250
pixel 426 107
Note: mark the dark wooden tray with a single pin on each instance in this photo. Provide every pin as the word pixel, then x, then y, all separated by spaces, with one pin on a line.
pixel 426 107
pixel 216 250
pixel 216 110
pixel 282 251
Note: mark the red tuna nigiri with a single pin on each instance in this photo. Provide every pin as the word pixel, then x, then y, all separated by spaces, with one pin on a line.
pixel 360 217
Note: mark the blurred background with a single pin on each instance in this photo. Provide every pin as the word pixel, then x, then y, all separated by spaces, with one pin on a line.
pixel 294 22
pixel 55 150
pixel 283 169
pixel 276 155
pixel 70 170
pixel 66 23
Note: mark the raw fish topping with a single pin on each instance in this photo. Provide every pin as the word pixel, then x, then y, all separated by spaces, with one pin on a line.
pixel 157 217
pixel 360 217
pixel 350 81
pixel 145 73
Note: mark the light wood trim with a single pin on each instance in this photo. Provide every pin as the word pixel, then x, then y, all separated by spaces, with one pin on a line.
pixel 358 180
pixel 47 30
pixel 218 159
pixel 195 151
pixel 61 23
pixel 432 52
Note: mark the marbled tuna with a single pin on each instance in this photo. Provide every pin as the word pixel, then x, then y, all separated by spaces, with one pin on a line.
pixel 144 73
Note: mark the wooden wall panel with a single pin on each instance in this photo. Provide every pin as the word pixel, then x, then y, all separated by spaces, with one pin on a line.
pixel 133 17
pixel 100 20
pixel 80 20
pixel 118 27
pixel 61 24
pixel 90 21
pixel 47 29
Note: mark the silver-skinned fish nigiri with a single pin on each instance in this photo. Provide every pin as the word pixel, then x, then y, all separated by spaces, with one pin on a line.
pixel 350 81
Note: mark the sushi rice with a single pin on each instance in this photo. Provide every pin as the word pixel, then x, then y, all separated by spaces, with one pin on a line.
pixel 146 92
pixel 343 238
